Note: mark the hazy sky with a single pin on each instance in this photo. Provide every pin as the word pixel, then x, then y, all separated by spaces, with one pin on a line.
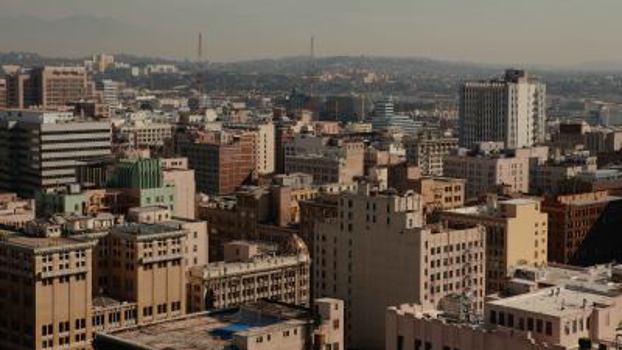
pixel 554 32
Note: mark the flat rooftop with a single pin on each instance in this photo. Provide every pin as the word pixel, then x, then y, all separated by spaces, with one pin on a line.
pixel 38 243
pixel 256 264
pixel 144 229
pixel 589 201
pixel 555 301
pixel 211 330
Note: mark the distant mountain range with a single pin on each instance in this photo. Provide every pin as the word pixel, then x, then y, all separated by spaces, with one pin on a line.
pixel 301 65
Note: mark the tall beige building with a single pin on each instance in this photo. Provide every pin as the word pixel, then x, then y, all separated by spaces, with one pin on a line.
pixel 376 253
pixel 516 234
pixel 46 289
pixel 176 171
pixel 197 241
pixel 145 265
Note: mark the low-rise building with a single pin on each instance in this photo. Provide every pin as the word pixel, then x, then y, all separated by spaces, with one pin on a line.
pixel 14 211
pixel 250 273
pixel 263 325
pixel 440 193
pixel 327 160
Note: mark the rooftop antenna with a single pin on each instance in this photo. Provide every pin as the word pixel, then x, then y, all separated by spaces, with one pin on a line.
pixel 312 67
pixel 199 79
pixel 200 48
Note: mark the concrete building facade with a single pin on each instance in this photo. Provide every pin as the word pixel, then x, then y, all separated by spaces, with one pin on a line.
pixel 582 227
pixel 510 110
pixel 249 276
pixel 485 173
pixel 47 293
pixel 377 252
pixel 428 153
pixel 516 234
pixel 41 150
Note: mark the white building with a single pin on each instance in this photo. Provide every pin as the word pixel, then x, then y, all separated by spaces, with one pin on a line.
pixel 509 110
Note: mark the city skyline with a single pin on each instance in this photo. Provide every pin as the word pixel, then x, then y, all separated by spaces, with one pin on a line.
pixel 487 31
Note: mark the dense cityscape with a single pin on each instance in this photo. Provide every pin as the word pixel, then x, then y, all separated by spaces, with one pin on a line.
pixel 308 203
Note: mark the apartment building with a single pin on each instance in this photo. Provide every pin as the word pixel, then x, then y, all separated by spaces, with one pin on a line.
pixel 427 152
pixel 377 252
pixel 250 273
pixel 510 110
pixel 582 227
pixel 516 233
pixel 486 171
pixel 47 292
pixel 41 150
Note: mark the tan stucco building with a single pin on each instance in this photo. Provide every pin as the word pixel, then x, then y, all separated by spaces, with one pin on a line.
pixel 376 252
pixel 516 234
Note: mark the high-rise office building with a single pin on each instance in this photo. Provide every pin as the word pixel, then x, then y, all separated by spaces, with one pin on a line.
pixel 509 110
pixel 41 150
pixel 57 86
